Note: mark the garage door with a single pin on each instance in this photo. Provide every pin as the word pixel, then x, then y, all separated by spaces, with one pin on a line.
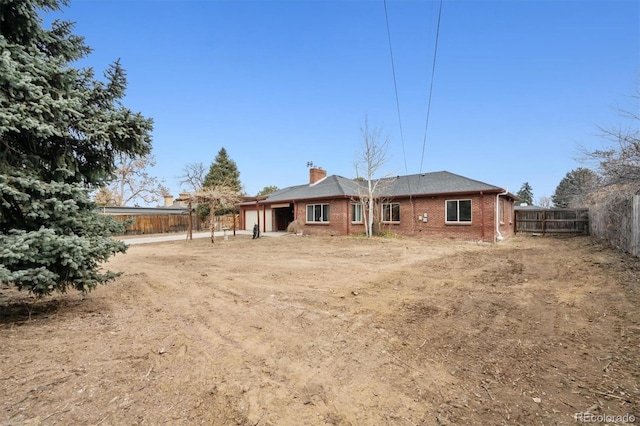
pixel 250 219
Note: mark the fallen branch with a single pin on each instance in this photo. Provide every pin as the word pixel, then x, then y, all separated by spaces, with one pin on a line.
pixel 487 389
pixel 566 403
pixel 409 421
pixel 100 422
pixel 148 372
pixel 613 396
pixel 56 412
pixel 606 394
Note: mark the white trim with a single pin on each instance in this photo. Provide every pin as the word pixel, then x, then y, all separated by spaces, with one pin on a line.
pixel 499 236
pixel 458 222
pixel 323 219
pixel 351 206
pixel 391 211
pixel 318 181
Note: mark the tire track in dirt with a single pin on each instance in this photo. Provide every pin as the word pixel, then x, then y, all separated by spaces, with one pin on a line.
pixel 334 331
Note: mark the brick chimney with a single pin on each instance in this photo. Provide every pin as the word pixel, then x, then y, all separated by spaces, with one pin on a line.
pixel 184 197
pixel 316 174
pixel 168 200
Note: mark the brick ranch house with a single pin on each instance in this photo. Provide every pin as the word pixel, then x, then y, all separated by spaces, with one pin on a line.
pixel 438 204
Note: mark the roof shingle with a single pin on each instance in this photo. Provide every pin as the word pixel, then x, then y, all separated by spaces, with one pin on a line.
pixel 417 184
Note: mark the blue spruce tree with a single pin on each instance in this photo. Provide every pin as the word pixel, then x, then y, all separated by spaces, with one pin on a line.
pixel 60 130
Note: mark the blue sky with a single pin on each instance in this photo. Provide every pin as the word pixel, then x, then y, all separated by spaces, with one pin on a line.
pixel 518 86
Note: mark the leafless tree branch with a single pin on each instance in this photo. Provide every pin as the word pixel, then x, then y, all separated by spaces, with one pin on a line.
pixel 193 175
pixel 369 160
pixel 132 183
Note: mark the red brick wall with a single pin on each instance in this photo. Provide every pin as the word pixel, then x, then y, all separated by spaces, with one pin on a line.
pixel 339 218
pixel 507 225
pixel 482 226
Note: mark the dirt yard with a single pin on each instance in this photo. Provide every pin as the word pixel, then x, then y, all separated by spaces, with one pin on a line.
pixel 332 331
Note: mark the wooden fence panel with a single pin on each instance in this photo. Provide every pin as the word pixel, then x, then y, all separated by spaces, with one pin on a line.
pixel 165 223
pixel 617 223
pixel 159 224
pixel 635 224
pixel 573 221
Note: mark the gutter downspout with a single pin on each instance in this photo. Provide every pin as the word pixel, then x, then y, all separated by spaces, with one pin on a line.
pixel 481 216
pixel 348 216
pixel 497 213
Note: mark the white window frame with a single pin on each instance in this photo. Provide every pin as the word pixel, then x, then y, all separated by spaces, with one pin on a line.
pixel 355 210
pixel 458 221
pixel 510 208
pixel 390 211
pixel 322 218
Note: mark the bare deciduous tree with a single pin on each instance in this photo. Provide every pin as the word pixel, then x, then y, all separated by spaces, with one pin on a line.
pixel 104 197
pixel 619 162
pixel 544 202
pixel 193 176
pixel 369 160
pixel 132 183
pixel 214 197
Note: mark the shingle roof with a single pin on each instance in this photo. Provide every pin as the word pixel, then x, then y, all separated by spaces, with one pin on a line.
pixel 418 184
pixel 331 186
pixel 433 183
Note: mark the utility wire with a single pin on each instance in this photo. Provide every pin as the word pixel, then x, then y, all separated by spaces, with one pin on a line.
pixel 433 71
pixel 395 86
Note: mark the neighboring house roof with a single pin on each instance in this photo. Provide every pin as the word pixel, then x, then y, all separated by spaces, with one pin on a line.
pixel 115 211
pixel 419 184
pixel 529 207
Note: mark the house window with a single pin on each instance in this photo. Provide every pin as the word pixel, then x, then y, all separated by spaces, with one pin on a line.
pixel 356 213
pixel 391 212
pixel 458 211
pixel 318 213
pixel 501 211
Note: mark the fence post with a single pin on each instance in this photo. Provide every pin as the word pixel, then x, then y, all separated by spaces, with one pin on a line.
pixel 635 225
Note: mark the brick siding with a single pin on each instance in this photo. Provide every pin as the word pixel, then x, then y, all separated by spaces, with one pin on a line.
pixel 482 225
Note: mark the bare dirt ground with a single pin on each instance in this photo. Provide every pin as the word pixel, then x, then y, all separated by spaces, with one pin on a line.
pixel 332 331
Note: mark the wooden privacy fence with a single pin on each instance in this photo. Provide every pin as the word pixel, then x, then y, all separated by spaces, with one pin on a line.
pixel 617 222
pixel 159 223
pixel 163 223
pixel 566 221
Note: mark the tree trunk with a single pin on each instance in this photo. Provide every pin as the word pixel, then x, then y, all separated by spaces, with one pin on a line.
pixel 212 224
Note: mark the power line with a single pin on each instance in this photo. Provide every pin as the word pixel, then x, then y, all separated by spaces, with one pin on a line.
pixel 395 86
pixel 433 71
